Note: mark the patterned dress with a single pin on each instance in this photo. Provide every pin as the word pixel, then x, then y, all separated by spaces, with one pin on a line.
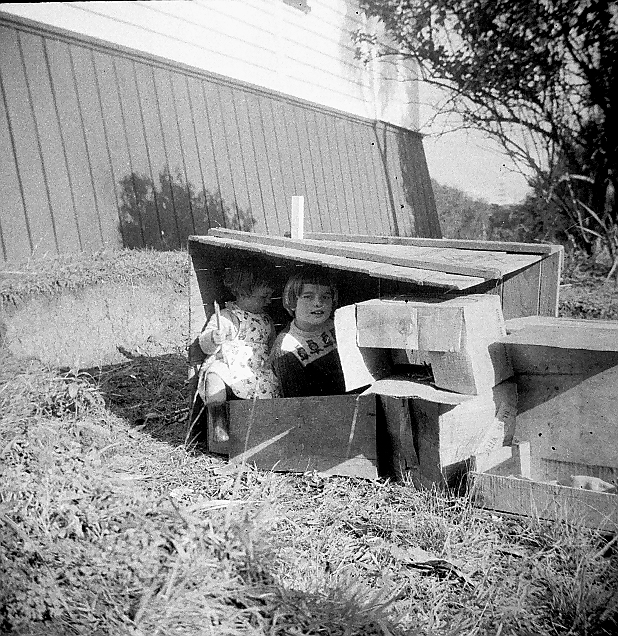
pixel 242 362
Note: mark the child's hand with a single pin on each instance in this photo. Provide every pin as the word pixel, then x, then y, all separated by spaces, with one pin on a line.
pixel 219 336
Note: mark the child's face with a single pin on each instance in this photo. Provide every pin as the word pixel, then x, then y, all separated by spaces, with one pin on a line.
pixel 258 300
pixel 314 307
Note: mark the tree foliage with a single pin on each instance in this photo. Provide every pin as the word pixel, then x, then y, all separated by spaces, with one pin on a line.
pixel 539 76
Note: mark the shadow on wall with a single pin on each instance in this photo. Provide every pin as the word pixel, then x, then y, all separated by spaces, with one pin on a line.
pixel 161 216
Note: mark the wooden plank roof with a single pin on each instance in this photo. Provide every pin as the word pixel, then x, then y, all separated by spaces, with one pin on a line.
pixel 445 267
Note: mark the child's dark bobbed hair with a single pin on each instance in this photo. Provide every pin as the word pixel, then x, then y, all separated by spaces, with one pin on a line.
pixel 306 276
pixel 242 279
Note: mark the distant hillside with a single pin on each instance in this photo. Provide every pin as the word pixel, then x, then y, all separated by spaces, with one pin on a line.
pixel 462 216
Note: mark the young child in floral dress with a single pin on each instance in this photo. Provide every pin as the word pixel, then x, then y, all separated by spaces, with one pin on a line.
pixel 237 341
pixel 304 356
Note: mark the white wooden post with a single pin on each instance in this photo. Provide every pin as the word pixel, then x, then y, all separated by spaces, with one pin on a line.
pixel 298 217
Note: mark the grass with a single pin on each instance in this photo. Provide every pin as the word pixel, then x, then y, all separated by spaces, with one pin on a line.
pixel 70 272
pixel 113 522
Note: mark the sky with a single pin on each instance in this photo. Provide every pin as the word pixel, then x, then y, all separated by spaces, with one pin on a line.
pixel 465 159
pixel 472 163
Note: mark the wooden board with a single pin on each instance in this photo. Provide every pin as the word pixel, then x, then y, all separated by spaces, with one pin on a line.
pixel 412 275
pixel 505 246
pixel 570 417
pixel 335 434
pixel 539 500
pixel 449 435
pixel 420 258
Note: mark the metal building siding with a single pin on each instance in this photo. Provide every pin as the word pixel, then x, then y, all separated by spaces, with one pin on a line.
pixel 106 148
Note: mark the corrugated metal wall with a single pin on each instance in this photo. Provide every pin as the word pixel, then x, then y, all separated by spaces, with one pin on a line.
pixel 106 147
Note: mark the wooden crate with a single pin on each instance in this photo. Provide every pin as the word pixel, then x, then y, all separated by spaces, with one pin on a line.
pixel 337 435
pixel 458 337
pixel 506 480
pixel 524 276
pixel 567 377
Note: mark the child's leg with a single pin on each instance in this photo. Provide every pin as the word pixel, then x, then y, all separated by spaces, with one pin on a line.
pixel 216 393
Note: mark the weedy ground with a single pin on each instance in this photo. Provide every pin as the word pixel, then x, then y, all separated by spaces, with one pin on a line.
pixel 114 520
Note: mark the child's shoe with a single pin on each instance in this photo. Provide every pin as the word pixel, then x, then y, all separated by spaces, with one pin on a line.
pixel 217 416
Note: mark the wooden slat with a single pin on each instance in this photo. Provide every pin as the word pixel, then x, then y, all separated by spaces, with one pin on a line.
pixel 175 162
pixel 225 134
pixel 279 156
pixel 534 323
pixel 404 209
pixel 373 223
pixel 336 167
pixel 212 106
pixel 129 218
pixel 296 434
pixel 195 185
pixel 96 144
pixel 51 145
pixel 81 181
pixel 263 170
pixel 382 201
pixel 349 193
pixel 319 130
pixel 208 166
pixel 271 163
pixel 497 246
pixel 414 195
pixel 359 211
pixel 29 161
pixel 155 147
pixel 434 280
pixel 520 292
pixel 252 143
pixel 140 209
pixel 549 288
pixel 505 263
pixel 545 501
pixel 297 130
pixel 325 206
pixel 14 230
pixel 334 249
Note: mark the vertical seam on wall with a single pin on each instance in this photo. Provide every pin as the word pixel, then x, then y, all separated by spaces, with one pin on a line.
pixel 38 140
pixel 259 181
pixel 126 137
pixel 212 146
pixel 268 162
pixel 323 156
pixel 361 181
pixel 197 151
pixel 19 181
pixel 229 158
pixel 107 148
pixel 182 154
pixel 64 149
pixel 146 145
pixel 165 152
pixel 339 130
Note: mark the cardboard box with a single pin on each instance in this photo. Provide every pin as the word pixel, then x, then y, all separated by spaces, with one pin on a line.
pixel 459 338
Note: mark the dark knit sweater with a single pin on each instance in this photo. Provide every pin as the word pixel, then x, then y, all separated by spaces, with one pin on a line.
pixel 307 363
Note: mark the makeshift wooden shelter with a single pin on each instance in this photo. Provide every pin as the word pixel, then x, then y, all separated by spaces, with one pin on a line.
pixel 514 278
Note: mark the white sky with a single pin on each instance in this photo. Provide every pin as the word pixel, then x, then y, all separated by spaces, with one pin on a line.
pixel 466 159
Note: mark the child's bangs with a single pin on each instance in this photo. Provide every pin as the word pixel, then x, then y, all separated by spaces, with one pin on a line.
pixel 308 276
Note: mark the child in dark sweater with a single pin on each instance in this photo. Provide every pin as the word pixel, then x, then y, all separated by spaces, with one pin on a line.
pixel 304 356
